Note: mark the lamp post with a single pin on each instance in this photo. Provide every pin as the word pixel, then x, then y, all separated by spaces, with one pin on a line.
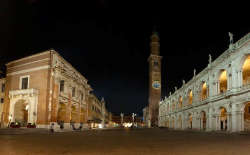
pixel 133 115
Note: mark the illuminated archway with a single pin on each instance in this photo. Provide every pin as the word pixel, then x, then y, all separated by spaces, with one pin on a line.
pixel 21 112
pixel 245 115
pixel 82 115
pixel 61 114
pixel 180 102
pixel 203 120
pixel 204 92
pixel 223 81
pixel 173 105
pixel 189 121
pixel 246 71
pixel 73 114
pixel 221 119
pixel 179 122
pixel 190 97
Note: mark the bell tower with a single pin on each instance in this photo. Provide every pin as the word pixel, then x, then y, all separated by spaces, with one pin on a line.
pixel 154 61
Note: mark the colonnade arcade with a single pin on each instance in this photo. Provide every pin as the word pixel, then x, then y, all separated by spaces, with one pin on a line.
pixel 218 98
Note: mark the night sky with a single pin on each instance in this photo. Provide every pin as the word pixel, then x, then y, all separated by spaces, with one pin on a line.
pixel 108 41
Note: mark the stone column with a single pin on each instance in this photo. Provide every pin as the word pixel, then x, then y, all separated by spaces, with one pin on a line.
pixel 241 77
pixel 122 119
pixel 224 124
pixel 234 121
pixel 228 82
pixel 242 121
pixel 201 119
pixel 218 87
pixel 207 122
pixel 228 122
pixel 219 123
pixel 216 123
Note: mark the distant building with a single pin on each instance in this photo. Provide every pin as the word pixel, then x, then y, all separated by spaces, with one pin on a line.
pixel 127 119
pixel 98 115
pixel 2 90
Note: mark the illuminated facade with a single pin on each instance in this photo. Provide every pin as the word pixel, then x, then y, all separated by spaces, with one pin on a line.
pixel 43 89
pixel 2 90
pixel 218 98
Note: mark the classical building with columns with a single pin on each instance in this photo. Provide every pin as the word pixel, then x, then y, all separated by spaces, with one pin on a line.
pixel 43 89
pixel 218 98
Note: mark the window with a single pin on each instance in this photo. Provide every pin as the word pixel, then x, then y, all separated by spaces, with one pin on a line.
pixel 3 87
pixel 61 85
pixel 73 91
pixel 82 96
pixel 25 81
pixel 2 100
pixel 155 63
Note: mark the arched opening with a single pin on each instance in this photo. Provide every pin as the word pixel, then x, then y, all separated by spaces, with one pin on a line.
pixel 61 114
pixel 204 91
pixel 21 112
pixel 173 106
pixel 244 121
pixel 247 117
pixel 189 121
pixel 180 122
pixel 168 122
pixel 82 115
pixel 190 97
pixel 246 71
pixel 73 114
pixel 173 122
pixel 203 120
pixel 180 102
pixel 223 82
pixel 167 108
pixel 221 119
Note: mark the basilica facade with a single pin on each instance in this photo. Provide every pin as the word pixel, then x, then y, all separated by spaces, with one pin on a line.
pixel 218 98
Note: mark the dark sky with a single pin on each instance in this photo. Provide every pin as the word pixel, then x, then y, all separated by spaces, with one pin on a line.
pixel 107 41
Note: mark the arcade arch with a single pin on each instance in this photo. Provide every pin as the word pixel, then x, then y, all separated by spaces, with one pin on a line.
pixel 73 114
pixel 180 102
pixel 244 112
pixel 221 119
pixel 246 71
pixel 223 81
pixel 21 112
pixel 190 97
pixel 61 113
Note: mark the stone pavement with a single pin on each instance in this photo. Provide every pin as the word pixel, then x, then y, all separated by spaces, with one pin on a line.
pixel 123 141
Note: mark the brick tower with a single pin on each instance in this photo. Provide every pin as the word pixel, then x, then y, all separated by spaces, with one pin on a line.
pixel 154 79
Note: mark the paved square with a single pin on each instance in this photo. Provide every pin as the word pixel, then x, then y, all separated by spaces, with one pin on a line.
pixel 141 141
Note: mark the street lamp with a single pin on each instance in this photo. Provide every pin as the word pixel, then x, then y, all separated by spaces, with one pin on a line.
pixel 133 115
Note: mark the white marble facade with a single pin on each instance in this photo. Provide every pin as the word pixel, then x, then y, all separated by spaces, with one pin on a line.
pixel 218 98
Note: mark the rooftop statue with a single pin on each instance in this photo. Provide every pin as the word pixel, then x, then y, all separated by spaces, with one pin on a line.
pixel 183 82
pixel 194 72
pixel 210 59
pixel 175 88
pixel 231 37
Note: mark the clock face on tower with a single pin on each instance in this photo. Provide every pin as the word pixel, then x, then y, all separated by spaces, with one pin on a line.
pixel 156 85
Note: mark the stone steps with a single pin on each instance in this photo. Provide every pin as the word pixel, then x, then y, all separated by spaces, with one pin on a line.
pixel 7 131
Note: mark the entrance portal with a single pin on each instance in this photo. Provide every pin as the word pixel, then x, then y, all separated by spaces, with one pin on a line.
pixel 21 112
